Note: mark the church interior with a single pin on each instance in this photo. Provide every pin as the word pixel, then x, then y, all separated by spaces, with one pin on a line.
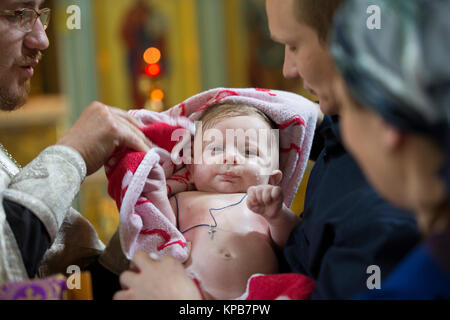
pixel 135 54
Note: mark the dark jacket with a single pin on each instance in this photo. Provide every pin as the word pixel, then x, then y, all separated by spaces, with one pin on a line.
pixel 346 225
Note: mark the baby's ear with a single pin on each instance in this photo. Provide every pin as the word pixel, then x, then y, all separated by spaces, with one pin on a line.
pixel 275 177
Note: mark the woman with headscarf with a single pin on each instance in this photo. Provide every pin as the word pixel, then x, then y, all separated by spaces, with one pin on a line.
pixel 394 92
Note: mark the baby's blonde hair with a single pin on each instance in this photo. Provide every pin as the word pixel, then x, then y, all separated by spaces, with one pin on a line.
pixel 218 112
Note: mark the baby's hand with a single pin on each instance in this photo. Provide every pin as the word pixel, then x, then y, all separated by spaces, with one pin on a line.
pixel 266 200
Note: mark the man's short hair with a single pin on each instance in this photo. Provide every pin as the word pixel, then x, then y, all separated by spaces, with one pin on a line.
pixel 318 14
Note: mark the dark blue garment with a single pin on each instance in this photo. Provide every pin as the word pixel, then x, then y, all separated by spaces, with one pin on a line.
pixel 346 225
pixel 31 235
pixel 419 277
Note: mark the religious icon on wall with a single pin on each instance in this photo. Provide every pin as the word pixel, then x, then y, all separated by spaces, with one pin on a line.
pixel 266 57
pixel 142 27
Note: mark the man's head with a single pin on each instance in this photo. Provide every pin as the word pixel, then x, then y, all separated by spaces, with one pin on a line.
pixel 20 52
pixel 239 149
pixel 302 26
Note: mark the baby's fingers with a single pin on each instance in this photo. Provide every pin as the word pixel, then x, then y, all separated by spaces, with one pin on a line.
pixel 256 208
pixel 270 194
pixel 252 200
pixel 267 196
pixel 276 193
pixel 254 195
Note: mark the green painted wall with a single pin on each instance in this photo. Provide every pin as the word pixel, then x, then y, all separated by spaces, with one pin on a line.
pixel 212 37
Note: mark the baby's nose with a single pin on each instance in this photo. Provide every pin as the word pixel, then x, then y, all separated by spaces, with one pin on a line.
pixel 232 157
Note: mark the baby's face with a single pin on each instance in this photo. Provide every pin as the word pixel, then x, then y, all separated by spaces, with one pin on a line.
pixel 237 153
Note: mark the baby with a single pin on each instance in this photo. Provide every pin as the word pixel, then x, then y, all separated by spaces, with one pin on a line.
pixel 236 219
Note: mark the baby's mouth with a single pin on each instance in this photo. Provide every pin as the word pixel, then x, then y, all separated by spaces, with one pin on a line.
pixel 229 176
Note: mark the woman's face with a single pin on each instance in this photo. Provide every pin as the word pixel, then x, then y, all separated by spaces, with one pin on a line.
pixel 402 167
pixel 366 137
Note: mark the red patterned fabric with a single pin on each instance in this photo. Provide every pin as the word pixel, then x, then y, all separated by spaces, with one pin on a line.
pixel 288 286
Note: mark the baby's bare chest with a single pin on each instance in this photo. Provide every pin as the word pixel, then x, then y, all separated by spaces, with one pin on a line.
pixel 227 212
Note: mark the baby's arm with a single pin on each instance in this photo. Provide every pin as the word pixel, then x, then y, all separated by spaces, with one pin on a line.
pixel 267 200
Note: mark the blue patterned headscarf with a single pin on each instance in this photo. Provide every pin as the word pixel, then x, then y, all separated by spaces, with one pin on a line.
pixel 402 70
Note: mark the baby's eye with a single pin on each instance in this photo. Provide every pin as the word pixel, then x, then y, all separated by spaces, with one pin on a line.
pixel 217 149
pixel 249 152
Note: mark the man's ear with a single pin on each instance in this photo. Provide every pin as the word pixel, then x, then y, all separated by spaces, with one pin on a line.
pixel 275 177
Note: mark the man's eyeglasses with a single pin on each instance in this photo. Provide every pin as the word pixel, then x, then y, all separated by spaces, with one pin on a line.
pixel 26 18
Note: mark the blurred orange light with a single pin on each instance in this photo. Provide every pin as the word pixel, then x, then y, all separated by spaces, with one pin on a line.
pixel 153 70
pixel 157 95
pixel 152 55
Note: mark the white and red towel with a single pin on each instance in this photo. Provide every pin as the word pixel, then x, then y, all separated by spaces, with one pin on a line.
pixel 142 225
pixel 283 286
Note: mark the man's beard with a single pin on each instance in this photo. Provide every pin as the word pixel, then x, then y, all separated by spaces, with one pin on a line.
pixel 11 102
